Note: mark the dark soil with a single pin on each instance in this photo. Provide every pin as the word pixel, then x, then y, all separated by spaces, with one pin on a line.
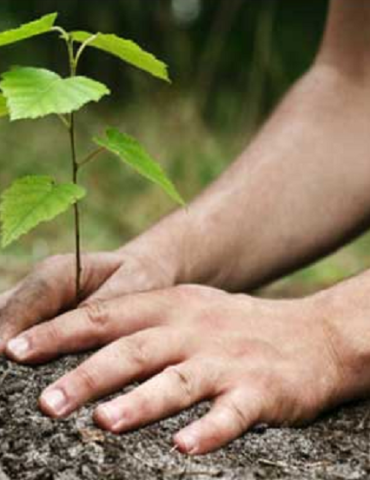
pixel 35 447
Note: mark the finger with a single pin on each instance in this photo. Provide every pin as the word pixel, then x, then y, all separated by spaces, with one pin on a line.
pixel 4 298
pixel 233 414
pixel 135 357
pixel 95 324
pixel 176 388
pixel 50 288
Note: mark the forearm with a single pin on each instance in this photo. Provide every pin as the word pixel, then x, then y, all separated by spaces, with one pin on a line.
pixel 299 191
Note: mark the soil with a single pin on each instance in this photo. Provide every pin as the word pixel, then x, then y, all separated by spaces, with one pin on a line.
pixel 35 447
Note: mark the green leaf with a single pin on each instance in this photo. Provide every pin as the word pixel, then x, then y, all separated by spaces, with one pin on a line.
pixel 36 92
pixel 131 152
pixel 3 106
pixel 32 200
pixel 28 30
pixel 126 50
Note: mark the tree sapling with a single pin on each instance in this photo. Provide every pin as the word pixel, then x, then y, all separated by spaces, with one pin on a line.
pixel 30 93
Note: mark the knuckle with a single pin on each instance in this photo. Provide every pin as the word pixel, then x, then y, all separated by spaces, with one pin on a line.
pixel 182 380
pixel 136 351
pixel 96 313
pixel 88 378
pixel 239 416
pixel 51 334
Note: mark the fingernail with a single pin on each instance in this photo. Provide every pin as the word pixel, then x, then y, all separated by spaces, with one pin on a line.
pixel 55 401
pixel 188 442
pixel 110 416
pixel 19 347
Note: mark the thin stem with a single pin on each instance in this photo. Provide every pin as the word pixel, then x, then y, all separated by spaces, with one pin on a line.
pixel 70 124
pixel 91 156
pixel 85 44
pixel 75 168
pixel 72 60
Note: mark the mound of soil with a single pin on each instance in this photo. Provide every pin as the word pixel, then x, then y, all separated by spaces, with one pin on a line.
pixel 35 447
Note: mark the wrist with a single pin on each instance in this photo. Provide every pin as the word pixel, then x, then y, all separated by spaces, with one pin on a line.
pixel 344 316
pixel 164 246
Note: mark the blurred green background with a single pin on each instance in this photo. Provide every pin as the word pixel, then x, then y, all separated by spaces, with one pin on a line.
pixel 230 62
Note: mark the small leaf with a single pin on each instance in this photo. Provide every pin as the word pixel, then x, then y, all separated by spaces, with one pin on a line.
pixel 126 50
pixel 131 152
pixel 28 30
pixel 36 92
pixel 32 200
pixel 3 106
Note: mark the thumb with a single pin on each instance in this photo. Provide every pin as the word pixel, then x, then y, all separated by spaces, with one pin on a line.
pixel 49 289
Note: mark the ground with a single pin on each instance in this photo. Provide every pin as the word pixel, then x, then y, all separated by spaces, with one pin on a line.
pixel 34 447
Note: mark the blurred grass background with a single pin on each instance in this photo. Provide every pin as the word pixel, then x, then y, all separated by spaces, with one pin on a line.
pixel 230 61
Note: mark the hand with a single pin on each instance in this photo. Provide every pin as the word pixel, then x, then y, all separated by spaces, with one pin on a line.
pixel 258 360
pixel 50 288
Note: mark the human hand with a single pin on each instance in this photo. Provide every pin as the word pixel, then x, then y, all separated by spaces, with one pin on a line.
pixel 50 288
pixel 260 361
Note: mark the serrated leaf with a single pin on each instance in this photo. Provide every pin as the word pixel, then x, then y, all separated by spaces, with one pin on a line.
pixel 28 30
pixel 131 152
pixel 32 200
pixel 36 92
pixel 3 106
pixel 126 50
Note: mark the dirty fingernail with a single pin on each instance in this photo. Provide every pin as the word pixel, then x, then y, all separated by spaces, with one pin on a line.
pixel 19 347
pixel 55 401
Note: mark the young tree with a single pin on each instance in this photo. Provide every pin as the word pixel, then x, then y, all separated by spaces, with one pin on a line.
pixel 30 93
